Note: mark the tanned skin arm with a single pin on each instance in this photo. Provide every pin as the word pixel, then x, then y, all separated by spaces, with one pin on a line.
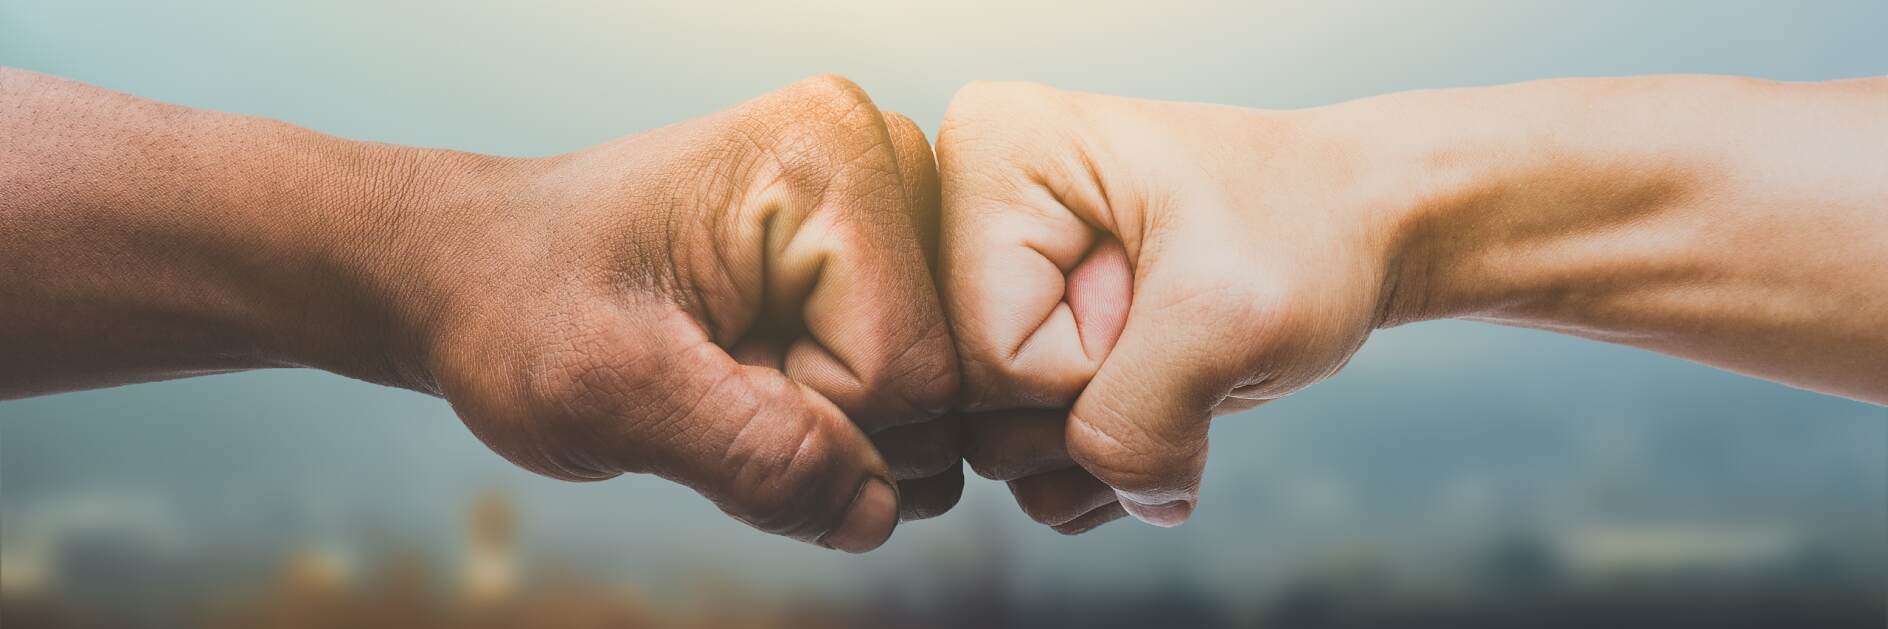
pixel 740 303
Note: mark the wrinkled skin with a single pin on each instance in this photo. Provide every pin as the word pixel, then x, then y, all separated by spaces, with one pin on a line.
pixel 1118 271
pixel 740 303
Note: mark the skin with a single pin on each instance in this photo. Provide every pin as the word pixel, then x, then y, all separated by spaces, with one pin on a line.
pixel 740 303
pixel 1119 271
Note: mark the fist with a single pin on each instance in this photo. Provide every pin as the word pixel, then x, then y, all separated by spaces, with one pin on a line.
pixel 1119 271
pixel 740 303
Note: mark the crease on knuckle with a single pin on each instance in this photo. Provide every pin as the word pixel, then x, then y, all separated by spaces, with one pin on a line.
pixel 782 490
pixel 1130 459
pixel 922 376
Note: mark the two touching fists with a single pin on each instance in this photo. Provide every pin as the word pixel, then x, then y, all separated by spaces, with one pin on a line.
pixel 792 307
pixel 759 304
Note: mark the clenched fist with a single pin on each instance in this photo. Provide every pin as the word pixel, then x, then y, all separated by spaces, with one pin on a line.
pixel 1121 270
pixel 740 303
pixel 743 303
pixel 1118 270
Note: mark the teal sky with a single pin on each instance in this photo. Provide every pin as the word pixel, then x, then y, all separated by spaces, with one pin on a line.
pixel 1438 434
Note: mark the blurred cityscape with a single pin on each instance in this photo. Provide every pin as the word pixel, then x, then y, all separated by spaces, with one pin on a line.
pixel 1490 493
pixel 101 564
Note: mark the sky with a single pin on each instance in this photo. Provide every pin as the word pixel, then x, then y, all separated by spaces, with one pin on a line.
pixel 1438 435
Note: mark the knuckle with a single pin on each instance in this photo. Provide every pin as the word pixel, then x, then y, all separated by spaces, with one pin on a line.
pixel 995 469
pixel 903 127
pixel 930 496
pixel 985 381
pixel 906 373
pixel 917 171
pixel 987 460
pixel 811 100
pixel 962 117
pixel 921 458
pixel 825 135
pixel 831 104
pixel 923 463
pixel 981 103
pixel 1040 513
pixel 1030 500
pixel 830 88
pixel 1134 461
pixel 789 491
pixel 998 454
pixel 1042 504
pixel 923 377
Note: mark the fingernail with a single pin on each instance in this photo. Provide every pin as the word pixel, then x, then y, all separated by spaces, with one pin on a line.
pixel 1164 515
pixel 868 521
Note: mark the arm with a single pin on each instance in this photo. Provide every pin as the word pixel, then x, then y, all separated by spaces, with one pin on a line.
pixel 739 303
pixel 1738 223
pixel 1735 222
pixel 147 241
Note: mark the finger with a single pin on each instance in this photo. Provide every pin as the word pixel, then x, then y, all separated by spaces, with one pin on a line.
pixel 922 450
pixel 1007 445
pixel 665 399
pixel 1025 203
pixel 1098 292
pixel 917 171
pixel 929 497
pixel 775 455
pixel 1141 425
pixel 1092 520
pixel 1008 250
pixel 876 340
pixel 1061 496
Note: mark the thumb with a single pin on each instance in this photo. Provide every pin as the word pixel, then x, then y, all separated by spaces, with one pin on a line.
pixel 764 448
pixel 1140 425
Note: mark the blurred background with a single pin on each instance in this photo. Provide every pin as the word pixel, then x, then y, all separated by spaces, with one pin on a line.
pixel 1456 475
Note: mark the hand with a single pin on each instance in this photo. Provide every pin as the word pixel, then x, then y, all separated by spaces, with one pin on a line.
pixel 711 301
pixel 1257 250
pixel 708 302
pixel 740 303
pixel 1143 265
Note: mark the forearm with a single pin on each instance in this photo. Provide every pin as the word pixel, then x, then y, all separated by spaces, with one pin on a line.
pixel 146 241
pixel 1739 223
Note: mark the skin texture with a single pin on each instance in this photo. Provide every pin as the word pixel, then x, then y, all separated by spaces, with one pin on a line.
pixel 740 303
pixel 1734 222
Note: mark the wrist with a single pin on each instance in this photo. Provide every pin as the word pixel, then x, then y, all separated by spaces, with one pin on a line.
pixel 344 250
pixel 1495 203
pixel 400 255
pixel 149 241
